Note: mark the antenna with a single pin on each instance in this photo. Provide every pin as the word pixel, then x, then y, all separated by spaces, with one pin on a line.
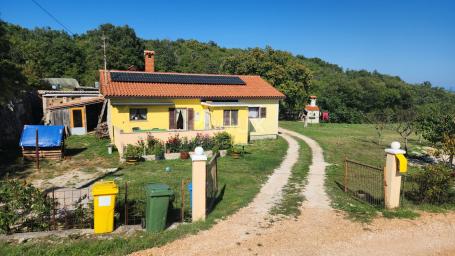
pixel 104 57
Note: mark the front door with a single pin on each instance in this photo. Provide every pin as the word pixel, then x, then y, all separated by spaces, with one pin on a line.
pixel 77 121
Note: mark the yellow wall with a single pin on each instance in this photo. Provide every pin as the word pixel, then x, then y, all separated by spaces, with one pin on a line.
pixel 158 116
pixel 239 132
pixel 264 126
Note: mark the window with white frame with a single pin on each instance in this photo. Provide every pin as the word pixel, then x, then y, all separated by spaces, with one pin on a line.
pixel 230 117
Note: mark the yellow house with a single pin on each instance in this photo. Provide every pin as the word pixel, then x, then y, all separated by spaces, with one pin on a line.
pixel 163 104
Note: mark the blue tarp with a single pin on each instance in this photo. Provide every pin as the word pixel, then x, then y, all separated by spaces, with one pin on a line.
pixel 48 136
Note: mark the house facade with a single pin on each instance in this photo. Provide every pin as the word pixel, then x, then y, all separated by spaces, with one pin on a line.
pixel 159 104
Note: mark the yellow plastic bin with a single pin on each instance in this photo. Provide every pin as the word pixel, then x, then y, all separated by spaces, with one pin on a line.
pixel 104 194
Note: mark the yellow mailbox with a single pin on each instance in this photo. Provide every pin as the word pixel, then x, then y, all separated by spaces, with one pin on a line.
pixel 104 194
pixel 402 163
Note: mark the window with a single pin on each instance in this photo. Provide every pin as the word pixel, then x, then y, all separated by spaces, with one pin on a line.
pixel 253 112
pixel 256 112
pixel 230 117
pixel 138 114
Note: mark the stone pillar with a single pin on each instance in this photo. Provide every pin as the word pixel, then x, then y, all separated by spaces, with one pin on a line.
pixel 392 176
pixel 199 179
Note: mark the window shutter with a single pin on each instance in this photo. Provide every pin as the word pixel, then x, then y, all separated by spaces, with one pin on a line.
pixel 226 118
pixel 263 112
pixel 172 118
pixel 190 119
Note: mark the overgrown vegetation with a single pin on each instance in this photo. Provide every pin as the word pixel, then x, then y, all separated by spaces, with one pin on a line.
pixel 22 207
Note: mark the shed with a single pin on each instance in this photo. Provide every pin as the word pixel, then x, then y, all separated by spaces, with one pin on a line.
pixel 50 141
pixel 78 116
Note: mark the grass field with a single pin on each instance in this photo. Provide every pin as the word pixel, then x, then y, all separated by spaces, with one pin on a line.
pixel 357 142
pixel 292 192
pixel 242 179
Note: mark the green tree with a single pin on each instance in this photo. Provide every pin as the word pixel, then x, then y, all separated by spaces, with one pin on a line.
pixel 281 69
pixel 123 49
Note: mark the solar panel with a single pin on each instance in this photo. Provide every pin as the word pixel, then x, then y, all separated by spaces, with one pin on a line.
pixel 175 78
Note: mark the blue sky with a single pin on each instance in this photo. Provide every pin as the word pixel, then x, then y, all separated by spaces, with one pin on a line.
pixel 412 39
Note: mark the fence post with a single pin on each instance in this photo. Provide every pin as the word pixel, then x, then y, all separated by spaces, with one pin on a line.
pixel 345 174
pixel 182 203
pixel 126 203
pixel 37 149
pixel 392 176
pixel 199 177
pixel 53 207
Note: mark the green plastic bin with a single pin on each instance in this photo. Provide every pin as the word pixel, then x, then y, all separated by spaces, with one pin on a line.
pixel 158 197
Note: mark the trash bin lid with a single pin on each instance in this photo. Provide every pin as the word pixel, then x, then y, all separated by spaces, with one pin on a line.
pixel 104 188
pixel 158 189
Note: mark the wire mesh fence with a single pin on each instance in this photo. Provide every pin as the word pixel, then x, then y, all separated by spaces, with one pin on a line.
pixel 364 182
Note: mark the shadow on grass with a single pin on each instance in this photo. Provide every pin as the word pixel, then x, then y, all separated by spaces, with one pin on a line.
pixel 70 152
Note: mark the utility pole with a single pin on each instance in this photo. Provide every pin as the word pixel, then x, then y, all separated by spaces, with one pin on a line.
pixel 104 57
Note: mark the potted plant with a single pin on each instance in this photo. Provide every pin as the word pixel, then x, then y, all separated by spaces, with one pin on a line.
pixel 185 149
pixel 173 146
pixel 222 142
pixel 236 152
pixel 132 153
pixel 158 151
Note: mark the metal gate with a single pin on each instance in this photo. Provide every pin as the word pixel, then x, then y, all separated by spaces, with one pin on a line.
pixel 364 182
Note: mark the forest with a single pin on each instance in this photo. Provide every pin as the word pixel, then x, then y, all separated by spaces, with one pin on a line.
pixel 350 96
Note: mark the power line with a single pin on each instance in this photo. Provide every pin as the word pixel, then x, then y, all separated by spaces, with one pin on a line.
pixel 53 17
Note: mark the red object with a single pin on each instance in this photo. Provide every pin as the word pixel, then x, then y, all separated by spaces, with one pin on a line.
pixel 325 116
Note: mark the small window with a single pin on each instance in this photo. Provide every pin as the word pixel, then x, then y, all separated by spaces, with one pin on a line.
pixel 256 112
pixel 253 112
pixel 230 117
pixel 138 114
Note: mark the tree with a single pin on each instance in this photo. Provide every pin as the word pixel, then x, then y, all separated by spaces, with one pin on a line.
pixel 281 69
pixel 123 49
pixel 11 79
pixel 404 124
pixel 380 120
pixel 436 122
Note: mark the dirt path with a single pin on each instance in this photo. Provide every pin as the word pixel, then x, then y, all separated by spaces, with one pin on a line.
pixel 319 230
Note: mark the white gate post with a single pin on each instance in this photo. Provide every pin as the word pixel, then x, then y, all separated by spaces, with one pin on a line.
pixel 392 176
pixel 199 179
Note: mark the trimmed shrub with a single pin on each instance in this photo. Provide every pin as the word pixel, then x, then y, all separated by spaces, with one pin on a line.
pixel 132 151
pixel 223 140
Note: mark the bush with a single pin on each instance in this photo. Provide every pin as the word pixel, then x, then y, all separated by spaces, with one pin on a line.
pixel 23 207
pixel 435 185
pixel 186 145
pixel 132 151
pixel 174 144
pixel 158 151
pixel 222 140
pixel 204 141
pixel 151 142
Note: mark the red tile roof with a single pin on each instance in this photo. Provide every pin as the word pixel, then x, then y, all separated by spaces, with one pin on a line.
pixel 312 108
pixel 255 87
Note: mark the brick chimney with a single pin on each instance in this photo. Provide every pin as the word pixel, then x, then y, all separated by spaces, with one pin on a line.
pixel 149 61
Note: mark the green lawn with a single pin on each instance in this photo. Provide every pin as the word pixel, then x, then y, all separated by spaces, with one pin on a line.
pixel 357 142
pixel 292 192
pixel 242 179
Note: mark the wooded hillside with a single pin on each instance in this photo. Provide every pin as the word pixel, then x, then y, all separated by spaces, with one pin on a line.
pixel 349 96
